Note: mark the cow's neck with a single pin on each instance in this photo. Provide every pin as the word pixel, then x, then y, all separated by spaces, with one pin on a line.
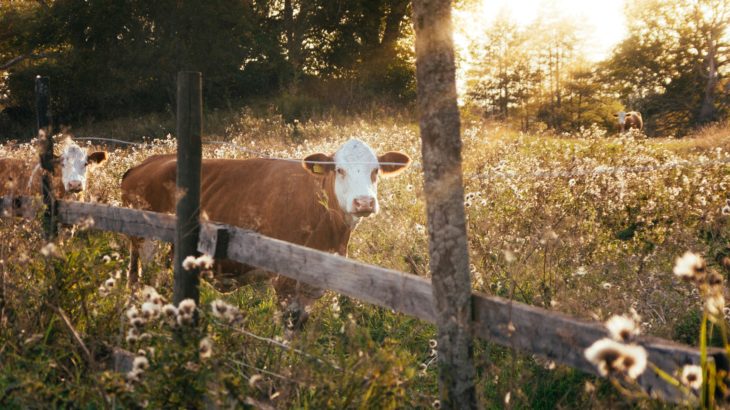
pixel 328 186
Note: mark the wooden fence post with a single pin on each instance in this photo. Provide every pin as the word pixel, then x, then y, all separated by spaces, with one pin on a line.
pixel 43 124
pixel 189 158
pixel 441 150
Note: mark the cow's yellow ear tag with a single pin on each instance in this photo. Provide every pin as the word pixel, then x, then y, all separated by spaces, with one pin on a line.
pixel 318 169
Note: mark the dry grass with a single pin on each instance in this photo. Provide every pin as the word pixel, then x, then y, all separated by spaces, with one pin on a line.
pixel 544 228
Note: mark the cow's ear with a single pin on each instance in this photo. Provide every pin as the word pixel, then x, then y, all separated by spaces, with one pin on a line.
pixel 97 157
pixel 393 163
pixel 319 163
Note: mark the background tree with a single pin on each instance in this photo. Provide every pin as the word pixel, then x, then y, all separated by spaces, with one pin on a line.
pixel 109 58
pixel 673 64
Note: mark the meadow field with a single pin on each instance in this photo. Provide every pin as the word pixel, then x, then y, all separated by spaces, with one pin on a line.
pixel 587 223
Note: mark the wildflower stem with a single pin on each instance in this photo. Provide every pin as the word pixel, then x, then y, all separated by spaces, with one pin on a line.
pixel 723 333
pixel 703 354
pixel 712 384
pixel 667 377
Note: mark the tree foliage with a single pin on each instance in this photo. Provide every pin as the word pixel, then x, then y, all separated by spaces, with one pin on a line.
pixel 109 57
pixel 673 67
pixel 674 64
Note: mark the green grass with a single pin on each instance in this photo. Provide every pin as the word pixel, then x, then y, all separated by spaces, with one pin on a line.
pixel 560 242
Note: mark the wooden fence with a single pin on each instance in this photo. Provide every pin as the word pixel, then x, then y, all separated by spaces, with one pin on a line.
pixel 532 330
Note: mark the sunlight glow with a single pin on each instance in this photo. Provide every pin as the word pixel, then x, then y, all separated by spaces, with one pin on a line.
pixel 602 25
pixel 603 22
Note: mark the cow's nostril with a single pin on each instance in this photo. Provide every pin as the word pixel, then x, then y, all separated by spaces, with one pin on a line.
pixel 363 204
pixel 75 186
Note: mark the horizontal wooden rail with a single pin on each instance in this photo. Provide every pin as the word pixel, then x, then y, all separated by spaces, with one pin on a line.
pixel 549 334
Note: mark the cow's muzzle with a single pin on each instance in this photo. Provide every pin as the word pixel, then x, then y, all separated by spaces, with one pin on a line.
pixel 363 206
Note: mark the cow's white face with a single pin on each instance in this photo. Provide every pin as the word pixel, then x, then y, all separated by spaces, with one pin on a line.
pixel 621 117
pixel 356 168
pixel 74 166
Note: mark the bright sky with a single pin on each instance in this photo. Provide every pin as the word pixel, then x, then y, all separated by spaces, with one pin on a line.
pixel 603 20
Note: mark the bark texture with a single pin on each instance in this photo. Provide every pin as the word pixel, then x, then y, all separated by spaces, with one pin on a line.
pixel 441 148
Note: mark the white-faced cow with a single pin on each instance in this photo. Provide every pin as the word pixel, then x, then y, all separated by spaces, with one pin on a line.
pixel 315 203
pixel 629 120
pixel 19 177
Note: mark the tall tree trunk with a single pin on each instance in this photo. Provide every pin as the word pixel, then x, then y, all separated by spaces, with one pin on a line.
pixel 391 33
pixel 707 110
pixel 293 32
pixel 441 149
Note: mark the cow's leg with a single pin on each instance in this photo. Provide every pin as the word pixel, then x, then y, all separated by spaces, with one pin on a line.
pixel 134 265
pixel 295 298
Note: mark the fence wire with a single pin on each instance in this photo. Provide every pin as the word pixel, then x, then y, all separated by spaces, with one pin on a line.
pixel 599 170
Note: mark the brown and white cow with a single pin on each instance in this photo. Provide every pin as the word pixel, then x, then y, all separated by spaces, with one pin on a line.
pixel 316 202
pixel 20 177
pixel 629 120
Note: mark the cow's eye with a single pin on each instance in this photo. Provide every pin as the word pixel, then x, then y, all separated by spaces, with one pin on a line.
pixel 341 172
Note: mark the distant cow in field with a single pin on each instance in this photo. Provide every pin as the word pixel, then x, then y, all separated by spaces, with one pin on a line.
pixel 316 202
pixel 23 178
pixel 629 120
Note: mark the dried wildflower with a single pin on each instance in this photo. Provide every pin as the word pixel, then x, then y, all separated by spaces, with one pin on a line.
pixel 149 293
pixel 205 348
pixel 185 320
pixel 189 263
pixel 133 376
pixel 726 210
pixel 110 283
pixel 690 267
pixel 50 250
pixel 150 310
pixel 715 304
pixel 186 307
pixel 169 311
pixel 132 335
pixel 140 363
pixel 103 291
pixel 137 322
pixel 224 311
pixel 219 308
pixel 433 343
pixel 205 261
pixel 436 404
pixel 254 379
pixel 611 357
pixel 106 259
pixel 622 328
pixel 132 313
pixel 691 376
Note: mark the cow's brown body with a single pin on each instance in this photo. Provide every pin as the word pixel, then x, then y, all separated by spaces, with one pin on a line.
pixel 633 120
pixel 279 199
pixel 19 177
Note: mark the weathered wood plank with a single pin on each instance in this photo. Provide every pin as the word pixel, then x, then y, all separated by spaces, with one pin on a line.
pixel 562 338
pixel 405 293
pixel 133 222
